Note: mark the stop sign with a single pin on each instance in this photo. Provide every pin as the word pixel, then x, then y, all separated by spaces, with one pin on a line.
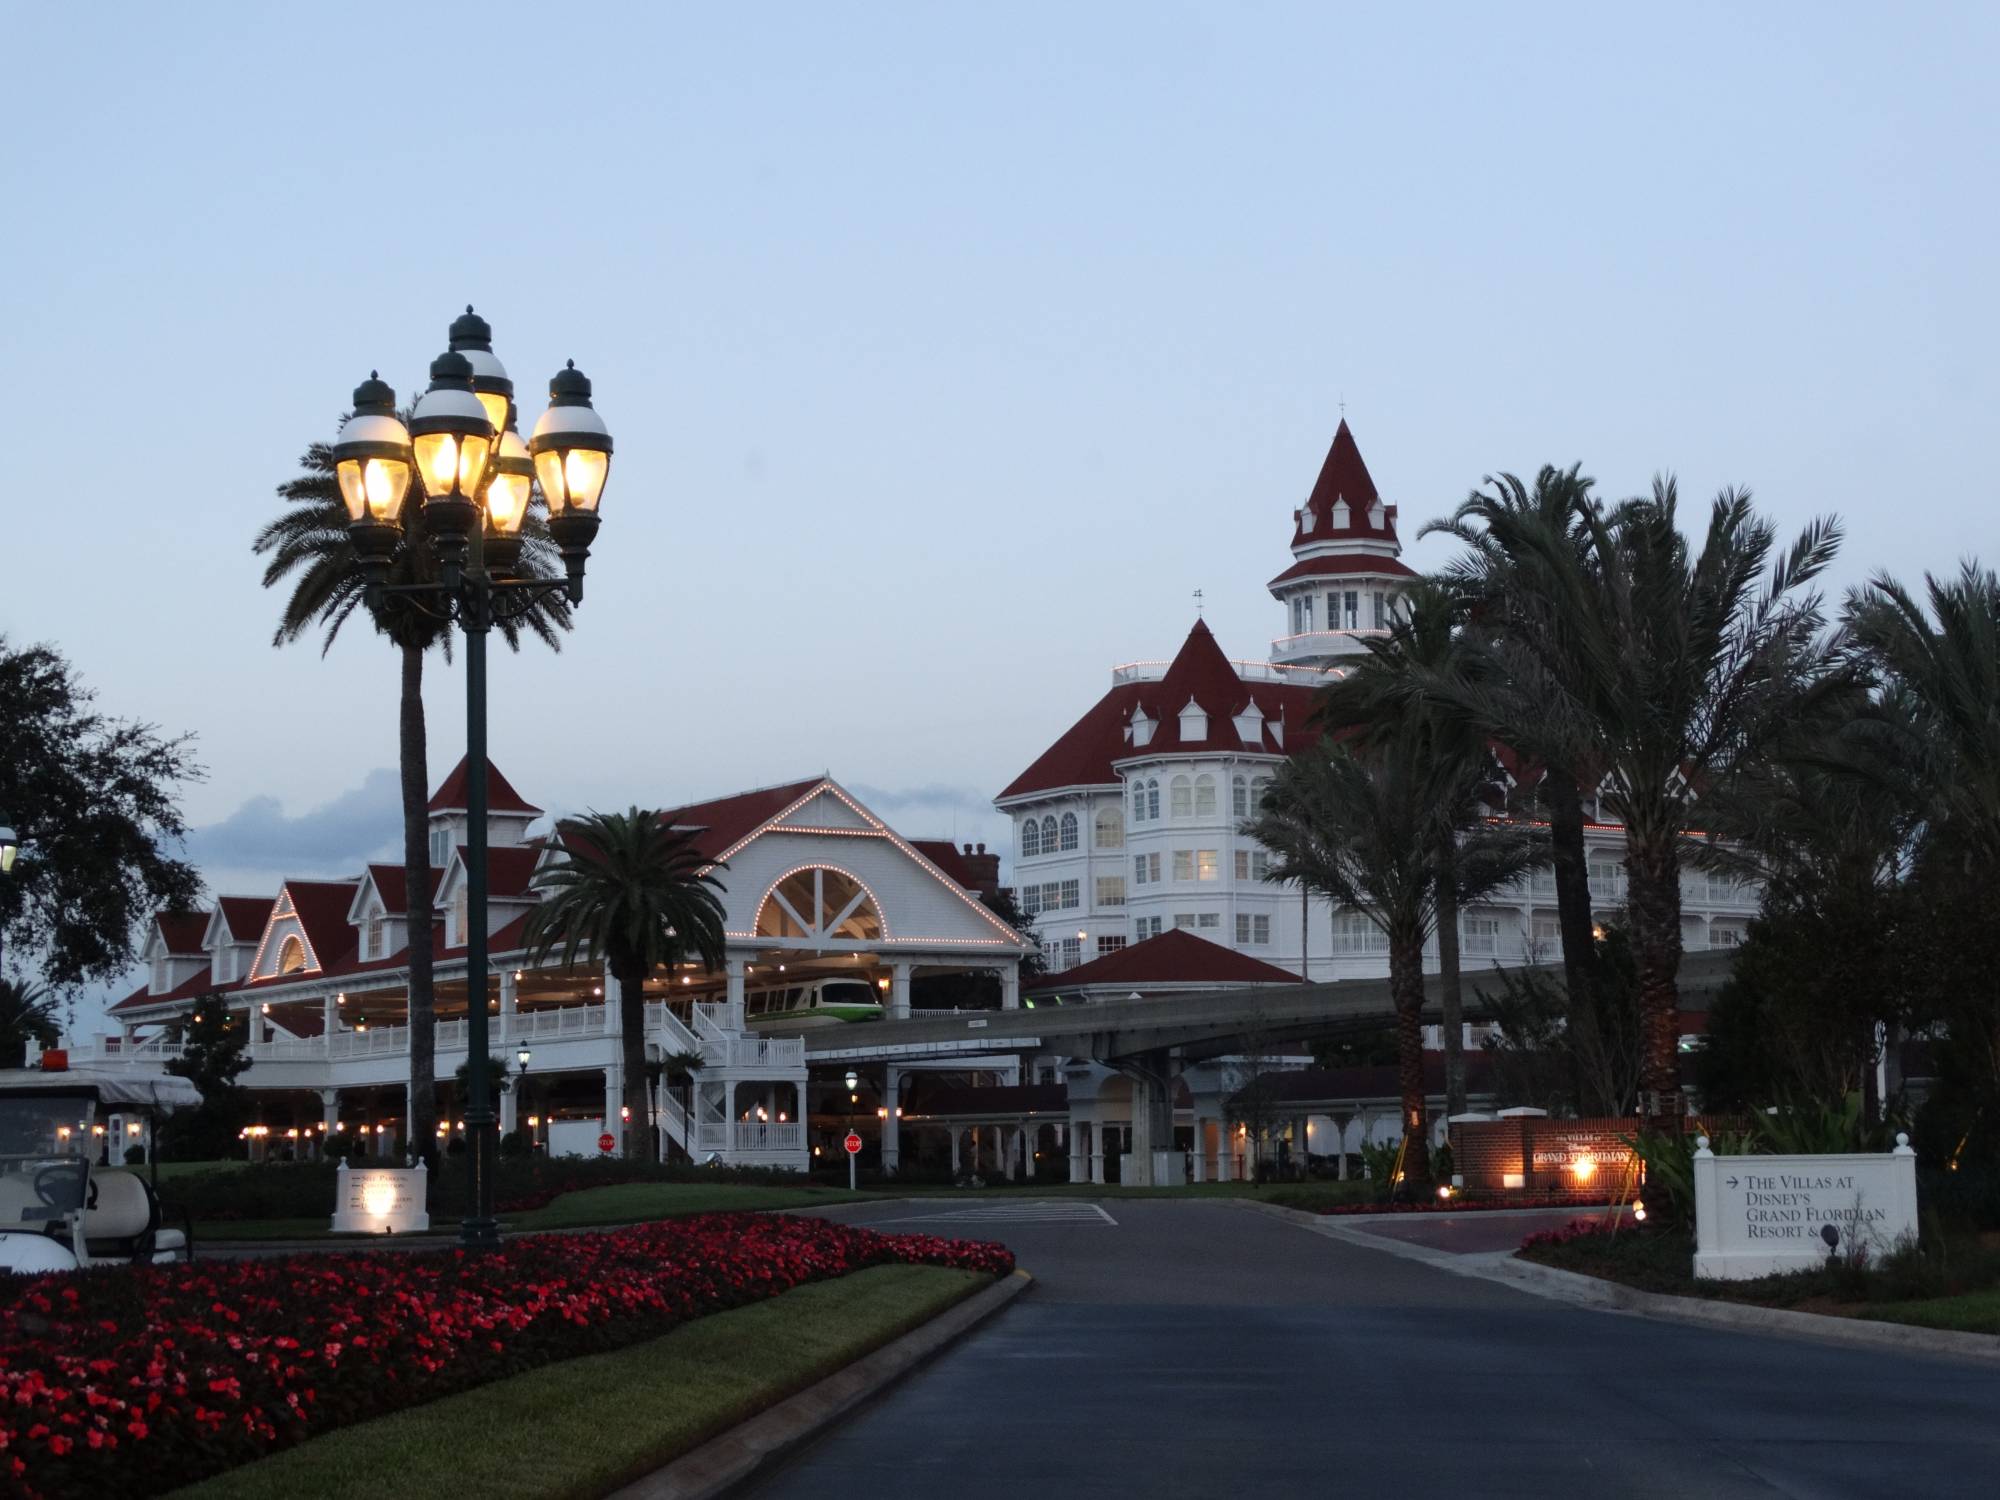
pixel 852 1143
pixel 607 1143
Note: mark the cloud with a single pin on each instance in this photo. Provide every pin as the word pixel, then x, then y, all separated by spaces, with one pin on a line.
pixel 336 838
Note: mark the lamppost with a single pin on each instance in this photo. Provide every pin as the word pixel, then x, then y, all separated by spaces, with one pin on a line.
pixel 10 845
pixel 521 1103
pixel 477 477
pixel 853 1082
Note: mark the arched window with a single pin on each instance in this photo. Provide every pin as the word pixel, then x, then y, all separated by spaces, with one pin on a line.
pixel 291 956
pixel 1152 799
pixel 1239 797
pixel 1049 835
pixel 1110 828
pixel 1138 802
pixel 1204 796
pixel 1180 797
pixel 1069 830
pixel 819 903
pixel 1031 838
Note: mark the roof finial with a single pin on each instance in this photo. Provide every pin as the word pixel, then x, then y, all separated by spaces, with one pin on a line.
pixel 1343 402
pixel 1197 604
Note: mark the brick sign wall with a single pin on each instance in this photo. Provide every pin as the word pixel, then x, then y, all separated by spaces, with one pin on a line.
pixel 1585 1160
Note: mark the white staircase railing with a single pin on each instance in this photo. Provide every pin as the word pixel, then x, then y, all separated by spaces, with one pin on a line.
pixel 673 1035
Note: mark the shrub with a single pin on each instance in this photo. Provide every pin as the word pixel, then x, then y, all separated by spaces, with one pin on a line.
pixel 135 1156
pixel 136 1381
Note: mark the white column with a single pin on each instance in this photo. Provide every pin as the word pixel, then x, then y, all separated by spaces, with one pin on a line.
pixel 1097 1152
pixel 329 1107
pixel 892 1126
pixel 1225 1141
pixel 510 1104
pixel 1301 1138
pixel 734 969
pixel 1010 986
pixel 505 1029
pixel 1197 1159
pixel 952 1130
pixel 1078 1162
pixel 899 990
pixel 1028 1134
pixel 328 1023
pixel 614 1095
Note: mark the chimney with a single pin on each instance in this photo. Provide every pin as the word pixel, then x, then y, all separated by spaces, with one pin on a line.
pixel 982 870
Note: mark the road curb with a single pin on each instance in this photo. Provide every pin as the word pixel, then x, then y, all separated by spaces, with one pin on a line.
pixel 724 1462
pixel 1595 1292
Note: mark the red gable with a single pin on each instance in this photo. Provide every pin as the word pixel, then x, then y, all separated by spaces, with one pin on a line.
pixel 1174 957
pixel 322 910
pixel 393 888
pixel 1085 754
pixel 182 931
pixel 500 794
pixel 1343 477
pixel 507 870
pixel 719 824
pixel 244 916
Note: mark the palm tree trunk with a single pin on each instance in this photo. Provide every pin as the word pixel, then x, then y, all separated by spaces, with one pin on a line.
pixel 1449 982
pixel 1406 985
pixel 1653 897
pixel 413 757
pixel 642 1142
pixel 1576 929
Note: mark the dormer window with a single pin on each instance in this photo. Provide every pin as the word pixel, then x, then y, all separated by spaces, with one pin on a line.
pixel 461 919
pixel 1376 515
pixel 1142 729
pixel 440 847
pixel 1340 515
pixel 1194 723
pixel 159 981
pixel 291 956
pixel 1250 726
pixel 373 936
pixel 1305 518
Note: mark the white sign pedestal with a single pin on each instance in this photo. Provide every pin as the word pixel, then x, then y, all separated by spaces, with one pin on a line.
pixel 381 1200
pixel 1756 1215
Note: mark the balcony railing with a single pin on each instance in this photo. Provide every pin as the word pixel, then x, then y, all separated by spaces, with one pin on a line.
pixel 750 1135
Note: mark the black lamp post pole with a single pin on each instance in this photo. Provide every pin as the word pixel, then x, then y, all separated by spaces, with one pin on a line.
pixel 481 1229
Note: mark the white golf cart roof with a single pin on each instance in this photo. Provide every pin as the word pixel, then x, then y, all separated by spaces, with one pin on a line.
pixel 155 1093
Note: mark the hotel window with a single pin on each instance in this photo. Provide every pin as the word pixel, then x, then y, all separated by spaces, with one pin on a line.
pixel 1069 831
pixel 1252 930
pixel 1204 796
pixel 1031 899
pixel 1110 826
pixel 1547 929
pixel 1482 934
pixel 1210 920
pixel 1253 864
pixel 1183 864
pixel 1351 614
pixel 1381 610
pixel 1184 921
pixel 1239 797
pixel 372 944
pixel 1606 878
pixel 1180 797
pixel 1072 894
pixel 1354 933
pixel 1049 834
pixel 1110 944
pixel 159 985
pixel 1152 800
pixel 1031 839
pixel 461 920
pixel 1207 864
pixel 1138 802
pixel 1145 869
pixel 1111 890
pixel 1145 927
pixel 440 847
pixel 1259 790
pixel 1724 935
pixel 1069 951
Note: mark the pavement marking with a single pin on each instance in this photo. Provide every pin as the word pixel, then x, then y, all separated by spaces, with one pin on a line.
pixel 1011 1213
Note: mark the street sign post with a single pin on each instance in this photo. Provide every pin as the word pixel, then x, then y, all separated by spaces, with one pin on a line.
pixel 853 1145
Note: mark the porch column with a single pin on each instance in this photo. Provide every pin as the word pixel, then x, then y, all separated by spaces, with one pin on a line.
pixel 1097 1130
pixel 892 1126
pixel 1028 1136
pixel 952 1131
pixel 510 1105
pixel 734 969
pixel 330 1017
pixel 1225 1140
pixel 1078 1163
pixel 329 1108
pixel 899 990
pixel 505 1030
pixel 614 1095
pixel 1010 986
pixel 1196 1161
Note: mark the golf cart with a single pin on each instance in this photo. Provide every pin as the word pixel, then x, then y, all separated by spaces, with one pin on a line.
pixel 58 1212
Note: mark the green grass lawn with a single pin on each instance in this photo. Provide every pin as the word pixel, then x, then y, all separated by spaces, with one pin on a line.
pixel 1970 1312
pixel 585 1426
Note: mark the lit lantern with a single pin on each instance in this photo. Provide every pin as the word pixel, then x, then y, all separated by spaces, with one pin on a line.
pixel 572 453
pixel 507 501
pixel 451 437
pixel 472 336
pixel 371 459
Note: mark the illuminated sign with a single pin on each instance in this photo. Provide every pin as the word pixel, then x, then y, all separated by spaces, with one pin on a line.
pixel 381 1200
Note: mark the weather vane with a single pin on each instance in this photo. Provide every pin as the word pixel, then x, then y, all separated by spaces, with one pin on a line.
pixel 1197 604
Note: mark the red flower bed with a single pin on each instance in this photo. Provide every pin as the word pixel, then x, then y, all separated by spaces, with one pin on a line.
pixel 131 1382
pixel 1569 1234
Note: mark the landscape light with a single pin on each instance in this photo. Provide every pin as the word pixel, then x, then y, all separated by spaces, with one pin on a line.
pixel 10 844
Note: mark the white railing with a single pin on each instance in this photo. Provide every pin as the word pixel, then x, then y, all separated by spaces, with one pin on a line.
pixel 711 1021
pixel 674 1120
pixel 673 1035
pixel 376 1041
pixel 751 1135
pixel 288 1049
pixel 765 1052
pixel 568 1020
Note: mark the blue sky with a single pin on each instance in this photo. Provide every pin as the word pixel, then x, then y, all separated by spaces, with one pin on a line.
pixel 948 349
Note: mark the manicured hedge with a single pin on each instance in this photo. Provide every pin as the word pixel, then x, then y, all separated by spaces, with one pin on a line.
pixel 132 1382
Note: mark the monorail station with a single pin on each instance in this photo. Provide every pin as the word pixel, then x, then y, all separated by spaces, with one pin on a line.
pixel 831 916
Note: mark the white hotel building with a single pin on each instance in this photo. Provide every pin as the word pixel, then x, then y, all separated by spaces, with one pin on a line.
pixel 1125 827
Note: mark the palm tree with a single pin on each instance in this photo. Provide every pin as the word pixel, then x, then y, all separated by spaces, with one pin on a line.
pixel 1687 665
pixel 27 1014
pixel 634 894
pixel 1383 695
pixel 308 543
pixel 1525 548
pixel 1361 825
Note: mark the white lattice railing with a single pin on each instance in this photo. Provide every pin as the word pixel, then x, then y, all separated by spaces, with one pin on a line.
pixel 673 1035
pixel 751 1135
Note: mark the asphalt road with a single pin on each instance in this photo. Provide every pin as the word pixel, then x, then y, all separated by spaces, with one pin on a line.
pixel 1199 1349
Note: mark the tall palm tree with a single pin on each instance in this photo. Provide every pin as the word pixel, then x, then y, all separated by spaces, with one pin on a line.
pixel 634 894
pixel 1687 664
pixel 1525 548
pixel 1382 695
pixel 308 544
pixel 1360 823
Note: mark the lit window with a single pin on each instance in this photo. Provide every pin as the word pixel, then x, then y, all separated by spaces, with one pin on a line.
pixel 1207 864
pixel 1204 796
pixel 461 915
pixel 1111 890
pixel 1725 935
pixel 291 956
pixel 1184 864
pixel 1110 826
pixel 375 944
pixel 1181 797
pixel 1069 950
pixel 1031 839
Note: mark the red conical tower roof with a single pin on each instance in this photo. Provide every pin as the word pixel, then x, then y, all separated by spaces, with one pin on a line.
pixel 1343 478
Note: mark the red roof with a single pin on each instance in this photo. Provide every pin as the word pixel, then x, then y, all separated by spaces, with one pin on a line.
pixel 1343 477
pixel 1345 564
pixel 322 907
pixel 500 794
pixel 1085 754
pixel 508 870
pixel 244 916
pixel 722 822
pixel 944 854
pixel 1174 957
pixel 194 986
pixel 183 931
pixel 393 888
